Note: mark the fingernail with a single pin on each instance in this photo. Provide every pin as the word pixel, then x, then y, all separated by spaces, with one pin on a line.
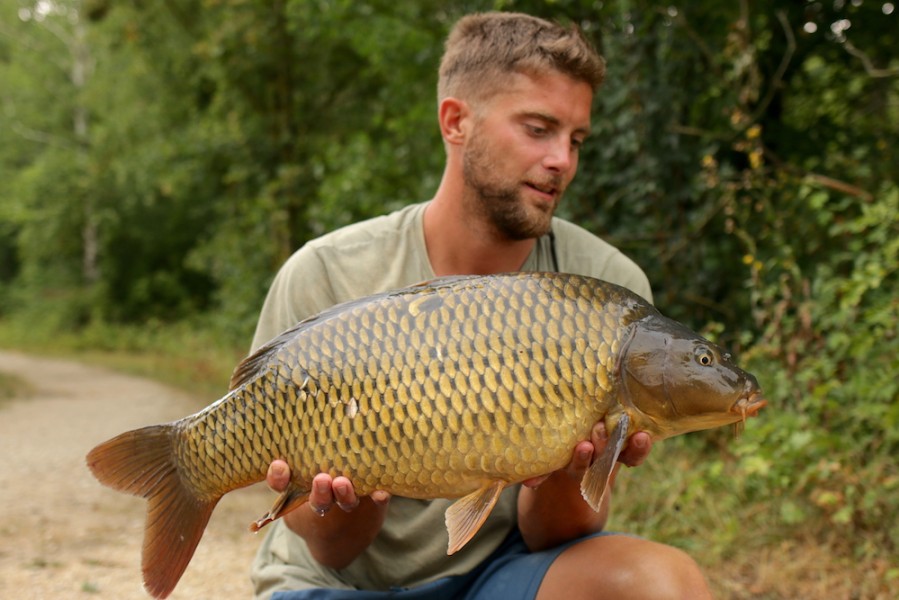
pixel 584 454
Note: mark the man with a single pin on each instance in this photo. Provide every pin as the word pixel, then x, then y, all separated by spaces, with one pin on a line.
pixel 515 95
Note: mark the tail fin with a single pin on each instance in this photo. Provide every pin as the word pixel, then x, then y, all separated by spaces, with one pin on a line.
pixel 142 462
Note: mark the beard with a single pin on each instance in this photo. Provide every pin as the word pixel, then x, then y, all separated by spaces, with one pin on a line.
pixel 498 200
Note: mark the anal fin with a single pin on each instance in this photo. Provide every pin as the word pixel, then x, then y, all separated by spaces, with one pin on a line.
pixel 595 484
pixel 289 499
pixel 466 515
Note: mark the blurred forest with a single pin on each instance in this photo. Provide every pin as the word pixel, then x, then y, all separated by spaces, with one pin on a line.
pixel 160 160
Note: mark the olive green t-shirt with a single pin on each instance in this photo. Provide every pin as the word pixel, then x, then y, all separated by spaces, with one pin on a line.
pixel 366 258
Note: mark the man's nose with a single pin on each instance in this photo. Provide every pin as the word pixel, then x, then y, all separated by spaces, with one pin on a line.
pixel 560 155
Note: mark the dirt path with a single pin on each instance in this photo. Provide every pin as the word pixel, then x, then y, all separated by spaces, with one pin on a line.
pixel 62 534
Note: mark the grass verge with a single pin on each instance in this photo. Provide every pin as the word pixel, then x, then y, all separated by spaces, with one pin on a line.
pixel 12 387
pixel 192 358
pixel 743 546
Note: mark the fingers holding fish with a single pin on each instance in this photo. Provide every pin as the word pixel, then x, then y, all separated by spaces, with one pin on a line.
pixel 637 449
pixel 344 495
pixel 581 458
pixel 321 498
pixel 326 492
pixel 634 454
pixel 586 451
pixel 278 475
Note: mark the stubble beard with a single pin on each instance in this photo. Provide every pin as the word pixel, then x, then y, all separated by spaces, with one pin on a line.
pixel 499 202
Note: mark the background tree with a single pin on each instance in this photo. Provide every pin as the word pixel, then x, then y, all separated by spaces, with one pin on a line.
pixel 161 160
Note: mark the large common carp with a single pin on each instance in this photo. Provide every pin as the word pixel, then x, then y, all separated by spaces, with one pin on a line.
pixel 454 388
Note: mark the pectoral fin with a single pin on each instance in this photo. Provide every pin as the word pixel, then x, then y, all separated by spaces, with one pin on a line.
pixel 595 484
pixel 466 515
pixel 290 499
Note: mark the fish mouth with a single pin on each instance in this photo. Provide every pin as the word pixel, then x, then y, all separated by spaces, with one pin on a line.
pixel 749 406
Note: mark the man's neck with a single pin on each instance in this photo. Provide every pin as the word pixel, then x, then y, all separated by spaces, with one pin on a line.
pixel 460 244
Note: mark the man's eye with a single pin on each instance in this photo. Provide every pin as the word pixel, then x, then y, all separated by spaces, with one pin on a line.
pixel 536 130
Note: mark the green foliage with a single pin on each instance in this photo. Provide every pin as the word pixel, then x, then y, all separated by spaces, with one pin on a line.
pixel 799 227
pixel 192 355
pixel 160 161
pixel 829 352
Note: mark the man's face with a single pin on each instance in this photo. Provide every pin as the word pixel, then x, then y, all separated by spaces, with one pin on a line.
pixel 523 151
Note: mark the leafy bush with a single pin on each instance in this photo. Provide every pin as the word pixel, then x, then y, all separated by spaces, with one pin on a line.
pixel 829 354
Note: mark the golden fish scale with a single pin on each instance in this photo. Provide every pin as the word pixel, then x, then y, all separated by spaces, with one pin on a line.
pixel 424 394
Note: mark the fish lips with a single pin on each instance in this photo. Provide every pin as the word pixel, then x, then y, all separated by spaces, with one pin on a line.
pixel 749 405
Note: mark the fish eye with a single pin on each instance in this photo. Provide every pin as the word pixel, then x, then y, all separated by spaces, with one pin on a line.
pixel 705 357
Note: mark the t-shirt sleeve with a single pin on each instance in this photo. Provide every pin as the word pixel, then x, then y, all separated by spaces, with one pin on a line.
pixel 300 289
pixel 364 258
pixel 581 252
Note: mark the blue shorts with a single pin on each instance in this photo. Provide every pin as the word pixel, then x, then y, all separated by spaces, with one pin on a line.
pixel 510 572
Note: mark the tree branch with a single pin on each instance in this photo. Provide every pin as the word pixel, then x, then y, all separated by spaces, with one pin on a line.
pixel 817 179
pixel 839 186
pixel 774 85
pixel 870 69
pixel 697 39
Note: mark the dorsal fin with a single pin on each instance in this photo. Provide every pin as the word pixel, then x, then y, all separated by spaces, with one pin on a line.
pixel 249 368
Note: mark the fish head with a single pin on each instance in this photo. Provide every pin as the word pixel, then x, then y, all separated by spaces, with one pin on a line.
pixel 675 381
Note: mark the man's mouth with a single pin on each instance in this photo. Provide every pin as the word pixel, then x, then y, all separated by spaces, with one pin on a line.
pixel 549 190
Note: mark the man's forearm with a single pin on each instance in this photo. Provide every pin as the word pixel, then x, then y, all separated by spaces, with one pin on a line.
pixel 337 538
pixel 556 512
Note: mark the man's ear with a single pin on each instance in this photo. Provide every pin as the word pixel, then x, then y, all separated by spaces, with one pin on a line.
pixel 453 115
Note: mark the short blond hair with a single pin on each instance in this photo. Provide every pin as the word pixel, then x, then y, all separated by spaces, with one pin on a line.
pixel 484 48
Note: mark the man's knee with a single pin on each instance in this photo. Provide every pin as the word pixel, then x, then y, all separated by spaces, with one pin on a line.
pixel 624 567
pixel 661 572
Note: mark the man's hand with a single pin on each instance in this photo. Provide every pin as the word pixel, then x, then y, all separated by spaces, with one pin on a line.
pixel 335 538
pixel 326 492
pixel 585 452
pixel 637 448
pixel 556 512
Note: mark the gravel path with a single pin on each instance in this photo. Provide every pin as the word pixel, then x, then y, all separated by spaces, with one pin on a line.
pixel 62 534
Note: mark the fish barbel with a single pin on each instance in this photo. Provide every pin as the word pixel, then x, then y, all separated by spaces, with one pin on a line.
pixel 455 388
